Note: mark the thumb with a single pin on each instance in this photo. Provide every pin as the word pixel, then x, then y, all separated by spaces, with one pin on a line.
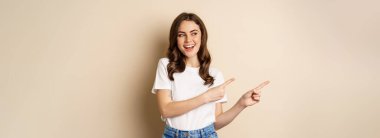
pixel 228 82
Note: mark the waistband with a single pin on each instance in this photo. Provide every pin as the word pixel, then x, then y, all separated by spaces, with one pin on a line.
pixel 183 133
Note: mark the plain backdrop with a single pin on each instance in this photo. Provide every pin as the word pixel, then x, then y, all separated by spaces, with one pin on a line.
pixel 85 68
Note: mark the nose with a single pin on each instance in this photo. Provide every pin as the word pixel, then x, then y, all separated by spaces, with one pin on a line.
pixel 188 38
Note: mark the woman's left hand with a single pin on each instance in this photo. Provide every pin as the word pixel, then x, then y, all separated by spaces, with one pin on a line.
pixel 253 96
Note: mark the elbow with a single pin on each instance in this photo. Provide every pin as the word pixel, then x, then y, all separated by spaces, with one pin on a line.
pixel 165 113
pixel 217 126
pixel 168 114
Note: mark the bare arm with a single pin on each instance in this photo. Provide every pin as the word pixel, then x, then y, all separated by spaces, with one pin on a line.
pixel 225 118
pixel 170 108
pixel 248 99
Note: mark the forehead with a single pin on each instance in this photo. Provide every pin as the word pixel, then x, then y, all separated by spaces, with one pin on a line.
pixel 187 26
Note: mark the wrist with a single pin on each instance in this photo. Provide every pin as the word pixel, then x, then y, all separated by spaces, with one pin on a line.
pixel 240 107
pixel 241 104
pixel 204 98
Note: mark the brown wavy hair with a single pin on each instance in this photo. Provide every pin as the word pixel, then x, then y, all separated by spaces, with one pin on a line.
pixel 177 59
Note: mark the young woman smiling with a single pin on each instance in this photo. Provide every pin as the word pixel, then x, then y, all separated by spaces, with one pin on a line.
pixel 190 93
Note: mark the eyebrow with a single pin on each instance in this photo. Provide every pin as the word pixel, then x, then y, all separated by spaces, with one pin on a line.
pixel 190 31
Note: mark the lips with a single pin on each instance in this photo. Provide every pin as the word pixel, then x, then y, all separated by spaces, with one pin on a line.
pixel 188 47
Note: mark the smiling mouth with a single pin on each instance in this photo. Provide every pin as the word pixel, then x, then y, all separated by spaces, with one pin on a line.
pixel 189 47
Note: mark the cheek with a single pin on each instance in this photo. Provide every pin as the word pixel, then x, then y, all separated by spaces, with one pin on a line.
pixel 198 39
pixel 180 41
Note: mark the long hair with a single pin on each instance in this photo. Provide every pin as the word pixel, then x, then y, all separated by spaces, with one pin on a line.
pixel 177 59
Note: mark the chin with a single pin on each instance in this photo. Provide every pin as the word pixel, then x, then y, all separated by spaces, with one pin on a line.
pixel 190 55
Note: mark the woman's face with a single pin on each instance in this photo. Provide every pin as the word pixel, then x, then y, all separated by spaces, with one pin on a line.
pixel 189 38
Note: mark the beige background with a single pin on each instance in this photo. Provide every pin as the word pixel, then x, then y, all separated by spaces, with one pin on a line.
pixel 84 69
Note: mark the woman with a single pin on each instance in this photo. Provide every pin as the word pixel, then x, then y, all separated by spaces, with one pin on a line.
pixel 190 93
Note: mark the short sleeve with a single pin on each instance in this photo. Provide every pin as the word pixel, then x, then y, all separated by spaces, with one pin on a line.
pixel 219 79
pixel 162 80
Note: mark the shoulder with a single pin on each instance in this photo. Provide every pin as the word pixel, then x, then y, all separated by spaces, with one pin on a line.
pixel 164 61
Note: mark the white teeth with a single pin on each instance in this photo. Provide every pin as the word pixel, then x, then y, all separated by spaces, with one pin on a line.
pixel 189 46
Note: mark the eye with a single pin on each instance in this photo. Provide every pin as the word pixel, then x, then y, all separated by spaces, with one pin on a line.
pixel 194 34
pixel 180 35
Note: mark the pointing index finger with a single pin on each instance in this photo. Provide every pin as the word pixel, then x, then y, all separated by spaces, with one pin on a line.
pixel 262 85
pixel 228 82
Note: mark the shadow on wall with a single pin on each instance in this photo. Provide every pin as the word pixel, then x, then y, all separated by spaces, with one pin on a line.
pixel 154 127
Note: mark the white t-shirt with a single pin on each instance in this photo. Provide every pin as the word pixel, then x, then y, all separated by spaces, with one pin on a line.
pixel 187 85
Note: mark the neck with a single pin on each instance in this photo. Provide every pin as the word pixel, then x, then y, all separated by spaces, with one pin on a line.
pixel 192 62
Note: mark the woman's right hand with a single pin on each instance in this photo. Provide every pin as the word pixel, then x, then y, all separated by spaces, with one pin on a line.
pixel 217 93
